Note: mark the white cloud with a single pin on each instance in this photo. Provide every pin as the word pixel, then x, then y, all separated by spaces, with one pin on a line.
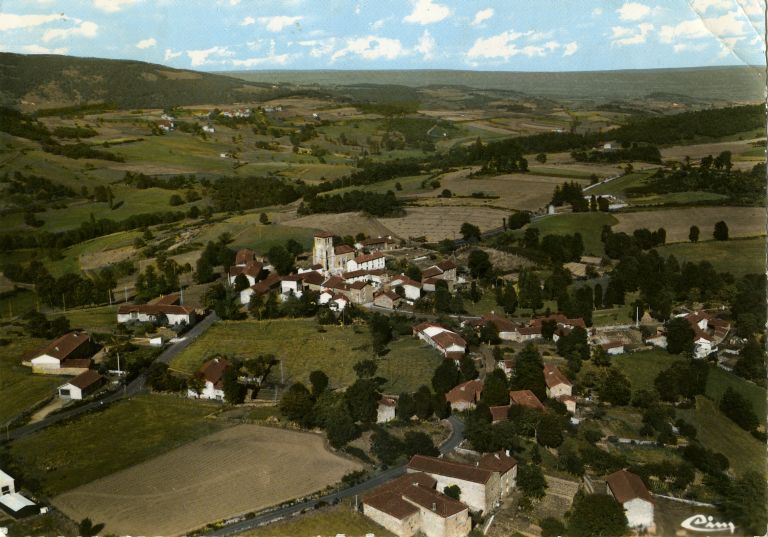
pixel 247 21
pixel 37 49
pixel 319 47
pixel 272 59
pixel 482 16
pixel 111 6
pixel 171 55
pixel 200 57
pixel 497 46
pixel 633 11
pixel 728 25
pixel 427 12
pixel 597 12
pixel 147 43
pixel 426 46
pixel 278 23
pixel 9 21
pixel 379 24
pixel 753 7
pixel 704 5
pixel 685 47
pixel 540 36
pixel 371 48
pixel 622 35
pixel 569 49
pixel 86 29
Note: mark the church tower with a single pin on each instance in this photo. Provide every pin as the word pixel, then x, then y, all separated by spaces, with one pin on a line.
pixel 322 251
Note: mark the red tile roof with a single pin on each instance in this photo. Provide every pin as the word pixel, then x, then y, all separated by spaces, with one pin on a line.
pixel 446 339
pixel 466 392
pixel 457 470
pixel 324 235
pixel 626 486
pixel 525 398
pixel 377 241
pixel 171 299
pixel 498 462
pixel 86 379
pixel 343 249
pixel 554 377
pixel 499 413
pixel 62 347
pixel 244 255
pixel 502 324
pixel 369 257
pixel 213 371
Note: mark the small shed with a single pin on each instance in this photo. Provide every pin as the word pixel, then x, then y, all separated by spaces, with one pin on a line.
pixel 82 385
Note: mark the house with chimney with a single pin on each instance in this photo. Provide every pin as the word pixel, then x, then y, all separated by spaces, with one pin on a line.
pixel 212 373
pixel 629 490
pixel 69 354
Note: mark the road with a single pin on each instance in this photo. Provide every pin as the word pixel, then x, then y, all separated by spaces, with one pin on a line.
pixel 133 388
pixel 457 435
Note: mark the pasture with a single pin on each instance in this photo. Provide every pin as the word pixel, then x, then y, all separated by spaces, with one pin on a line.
pixel 238 470
pixel 102 443
pixel 341 224
pixel 742 221
pixel 443 222
pixel 590 225
pixel 98 319
pixel 302 348
pixel 738 256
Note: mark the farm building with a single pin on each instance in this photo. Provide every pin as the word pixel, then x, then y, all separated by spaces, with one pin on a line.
pixel 557 383
pixel 411 288
pixel 68 354
pixel 525 398
pixel 82 385
pixel 387 299
pixel 377 244
pixel 252 270
pixel 272 281
pixel 12 502
pixel 410 504
pixel 386 409
pixel 173 314
pixel 212 372
pixel 449 343
pixel 630 491
pixel 465 396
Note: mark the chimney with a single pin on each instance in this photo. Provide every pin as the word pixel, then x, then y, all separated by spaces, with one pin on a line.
pixel 434 506
pixel 506 452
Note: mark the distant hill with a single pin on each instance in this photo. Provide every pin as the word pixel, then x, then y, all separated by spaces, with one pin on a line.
pixel 47 81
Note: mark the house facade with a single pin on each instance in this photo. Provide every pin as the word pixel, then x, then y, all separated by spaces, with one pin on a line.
pixel 465 396
pixel 212 373
pixel 629 490
pixel 13 502
pixel 151 313
pixel 82 385
pixel 71 351
pixel 557 383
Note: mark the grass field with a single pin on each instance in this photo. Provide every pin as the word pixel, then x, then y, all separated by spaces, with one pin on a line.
pixel 677 197
pixel 303 349
pixel 17 302
pixel 341 224
pixel 101 443
pixel 718 381
pixel 100 319
pixel 741 221
pixel 238 470
pixel 19 388
pixel 437 223
pixel 248 232
pixel 642 367
pixel 590 225
pixel 327 522
pixel 620 184
pixel 94 253
pixel 742 256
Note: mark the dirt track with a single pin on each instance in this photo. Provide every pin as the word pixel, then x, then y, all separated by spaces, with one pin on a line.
pixel 241 469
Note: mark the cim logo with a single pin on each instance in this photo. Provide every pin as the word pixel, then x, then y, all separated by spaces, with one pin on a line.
pixel 707 524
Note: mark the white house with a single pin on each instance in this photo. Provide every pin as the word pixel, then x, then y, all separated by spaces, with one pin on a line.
pixel 212 372
pixel 374 261
pixel 630 491
pixel 386 409
pixel 12 501
pixel 70 351
pixel 613 348
pixel 252 270
pixel 82 385
pixel 557 383
pixel 411 288
pixel 449 343
pixel 291 286
pixel 465 396
pixel 505 465
pixel 150 313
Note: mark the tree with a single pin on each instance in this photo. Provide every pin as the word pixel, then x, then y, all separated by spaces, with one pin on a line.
pixel 549 432
pixel 319 381
pixel 419 443
pixel 381 332
pixel 679 336
pixel 530 291
pixel 541 157
pixel 296 403
pixel 745 503
pixel 453 491
pixel 496 389
pixel 176 200
pixel 738 409
pixel 551 527
pixel 234 392
pixel 422 400
pixel 264 219
pixel 87 528
pixel 241 282
pixel 615 387
pixel 470 232
pixel 365 369
pixel 479 264
pixel 281 259
pixel 596 515
pixel 721 231
pixel 508 298
pixel 531 482
pixel 693 234
pixel 751 363
pixel 406 407
pixel 363 400
pixel 196 383
pixel 529 372
pixel 467 368
pixel 445 377
pixel 388 448
pixel 340 427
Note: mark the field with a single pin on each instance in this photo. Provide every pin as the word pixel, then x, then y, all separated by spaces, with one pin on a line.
pixel 590 225
pixel 642 367
pixel 718 381
pixel 102 443
pixel 342 224
pixel 303 349
pixel 743 256
pixel 437 223
pixel 19 388
pixel 327 522
pixel 742 221
pixel 241 469
pixel 100 319
pixel 619 185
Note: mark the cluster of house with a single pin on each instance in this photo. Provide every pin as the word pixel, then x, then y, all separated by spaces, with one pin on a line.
pixel 521 332
pixel 165 310
pixel 13 502
pixel 236 113
pixel 417 501
pixel 70 354
pixel 708 333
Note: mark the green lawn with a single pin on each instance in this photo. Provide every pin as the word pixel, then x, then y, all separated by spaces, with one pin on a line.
pixel 563 171
pixel 719 433
pixel 642 367
pixel 17 302
pixel 99 319
pixel 303 348
pixel 248 232
pixel 590 225
pixel 719 380
pixel 677 197
pixel 70 262
pixel 619 185
pixel 737 256
pixel 332 521
pixel 126 433
pixel 19 388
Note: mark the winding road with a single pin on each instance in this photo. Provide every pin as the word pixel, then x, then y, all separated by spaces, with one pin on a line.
pixel 457 435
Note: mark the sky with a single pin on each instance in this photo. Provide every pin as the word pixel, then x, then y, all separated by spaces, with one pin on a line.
pixel 493 35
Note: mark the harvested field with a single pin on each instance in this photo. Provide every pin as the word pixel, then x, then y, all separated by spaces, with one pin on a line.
pixel 342 224
pixel 238 470
pixel 436 223
pixel 742 221
pixel 697 151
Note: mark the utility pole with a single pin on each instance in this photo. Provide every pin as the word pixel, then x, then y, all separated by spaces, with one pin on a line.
pixel 64 302
pixel 125 293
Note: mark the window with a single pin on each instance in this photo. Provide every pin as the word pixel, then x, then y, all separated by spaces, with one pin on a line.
pixel 5 490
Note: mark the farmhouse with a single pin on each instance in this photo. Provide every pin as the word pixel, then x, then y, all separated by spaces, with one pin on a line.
pixel 630 491
pixel 252 270
pixel 507 329
pixel 480 488
pixel 377 244
pixel 11 501
pixel 261 288
pixel 557 383
pixel 386 410
pixel 68 354
pixel 387 299
pixel 244 256
pixel 374 261
pixel 375 277
pixel 212 372
pixel 505 465
pixel 411 288
pixel 707 332
pixel 335 301
pixel 410 504
pixel 444 270
pixel 449 343
pixel 465 396
pixel 156 313
pixel 82 385
pixel 525 398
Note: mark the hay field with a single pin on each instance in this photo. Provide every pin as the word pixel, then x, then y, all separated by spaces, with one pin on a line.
pixel 742 221
pixel 342 224
pixel 436 223
pixel 238 470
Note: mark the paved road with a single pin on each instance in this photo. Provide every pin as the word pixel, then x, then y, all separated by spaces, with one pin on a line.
pixel 457 435
pixel 134 387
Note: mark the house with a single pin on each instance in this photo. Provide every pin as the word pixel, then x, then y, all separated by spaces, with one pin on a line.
pixel 499 413
pixel 376 278
pixel 342 255
pixel 465 396
pixel 505 465
pixel 374 261
pixel 212 373
pixel 480 488
pixel 444 270
pixel 557 383
pixel 68 354
pixel 156 313
pixel 335 301
pixel 377 244
pixel 507 329
pixel 252 270
pixel 82 385
pixel 387 299
pixel 708 331
pixel 12 502
pixel 569 401
pixel 577 270
pixel 386 409
pixel 411 288
pixel 613 348
pixel 291 285
pixel 410 505
pixel 449 343
pixel 630 491
pixel 525 398
pixel 271 282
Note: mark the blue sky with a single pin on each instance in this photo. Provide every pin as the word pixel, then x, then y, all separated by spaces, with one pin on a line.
pixel 503 35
